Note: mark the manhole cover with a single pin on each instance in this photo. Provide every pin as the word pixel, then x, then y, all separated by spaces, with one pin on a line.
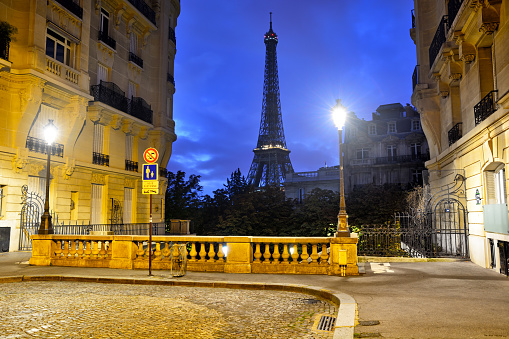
pixel 311 301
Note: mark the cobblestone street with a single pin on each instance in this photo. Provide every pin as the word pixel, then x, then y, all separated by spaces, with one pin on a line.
pixel 92 310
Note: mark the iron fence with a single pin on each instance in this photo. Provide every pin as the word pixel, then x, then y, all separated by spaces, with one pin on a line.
pixel 136 59
pixel 104 37
pixel 454 133
pixel 485 107
pixel 438 39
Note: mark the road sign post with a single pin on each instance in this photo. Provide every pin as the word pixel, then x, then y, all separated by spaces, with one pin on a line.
pixel 150 181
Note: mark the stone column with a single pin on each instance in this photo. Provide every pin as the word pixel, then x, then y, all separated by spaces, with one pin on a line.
pixel 239 256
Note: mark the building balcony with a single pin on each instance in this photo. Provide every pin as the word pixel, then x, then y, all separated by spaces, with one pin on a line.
pixel 109 41
pixel 438 39
pixel 136 59
pixel 415 77
pixel 131 166
pixel 72 7
pixel 101 159
pixel 455 133
pixel 398 159
pixel 139 108
pixel 144 9
pixel 40 146
pixel 453 8
pixel 171 36
pixel 170 79
pixel 360 162
pixel 485 107
pixel 64 72
pixel 413 18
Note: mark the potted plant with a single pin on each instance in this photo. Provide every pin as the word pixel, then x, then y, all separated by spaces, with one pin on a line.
pixel 7 32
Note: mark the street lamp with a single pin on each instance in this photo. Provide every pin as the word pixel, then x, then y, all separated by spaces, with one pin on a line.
pixel 50 133
pixel 339 115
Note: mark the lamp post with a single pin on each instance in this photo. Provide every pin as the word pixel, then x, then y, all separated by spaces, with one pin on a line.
pixel 50 133
pixel 339 115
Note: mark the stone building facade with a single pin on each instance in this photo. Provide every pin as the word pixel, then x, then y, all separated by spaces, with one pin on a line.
pixel 102 70
pixel 390 148
pixel 298 184
pixel 461 90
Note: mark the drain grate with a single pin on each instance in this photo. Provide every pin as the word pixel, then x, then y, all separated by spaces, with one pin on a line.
pixel 326 323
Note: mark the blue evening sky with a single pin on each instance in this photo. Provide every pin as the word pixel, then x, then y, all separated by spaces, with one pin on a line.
pixel 359 51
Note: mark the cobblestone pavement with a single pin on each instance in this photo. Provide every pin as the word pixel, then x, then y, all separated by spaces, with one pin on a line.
pixel 91 310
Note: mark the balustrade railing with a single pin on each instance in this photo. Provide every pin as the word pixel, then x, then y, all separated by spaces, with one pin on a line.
pixel 144 9
pixel 415 77
pixel 453 8
pixel 68 74
pixel 402 158
pixel 131 166
pixel 170 78
pixel 139 108
pixel 40 146
pixel 455 133
pixel 72 7
pixel 413 18
pixel 100 159
pixel 136 59
pixel 171 35
pixel 104 37
pixel 485 107
pixel 438 39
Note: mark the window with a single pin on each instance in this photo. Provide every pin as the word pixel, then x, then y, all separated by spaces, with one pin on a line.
pixel 74 205
pixel 102 73
pixel 129 142
pixel 363 153
pixel 417 176
pixel 96 204
pixel 416 125
pixel 37 185
pixel 415 150
pixel 391 152
pixel 105 21
pixel 98 138
pixel 128 205
pixel 133 47
pixel 391 127
pixel 132 90
pixel 372 129
pixel 496 186
pixel 59 48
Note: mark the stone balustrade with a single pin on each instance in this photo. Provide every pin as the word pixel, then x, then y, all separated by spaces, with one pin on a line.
pixel 64 72
pixel 229 254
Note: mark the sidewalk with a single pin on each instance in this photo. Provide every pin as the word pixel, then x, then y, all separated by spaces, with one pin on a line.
pixel 409 300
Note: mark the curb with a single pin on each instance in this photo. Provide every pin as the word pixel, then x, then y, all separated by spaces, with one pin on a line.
pixel 362 259
pixel 345 320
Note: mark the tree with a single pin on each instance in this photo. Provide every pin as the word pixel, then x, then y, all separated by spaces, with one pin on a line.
pixel 182 196
pixel 236 185
pixel 317 216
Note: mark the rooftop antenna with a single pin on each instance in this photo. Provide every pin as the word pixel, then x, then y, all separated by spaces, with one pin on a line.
pixel 270 20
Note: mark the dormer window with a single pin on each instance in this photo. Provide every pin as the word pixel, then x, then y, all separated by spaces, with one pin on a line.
pixel 416 125
pixel 372 129
pixel 391 127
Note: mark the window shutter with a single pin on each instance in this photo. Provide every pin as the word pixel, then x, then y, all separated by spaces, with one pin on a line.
pixel 491 197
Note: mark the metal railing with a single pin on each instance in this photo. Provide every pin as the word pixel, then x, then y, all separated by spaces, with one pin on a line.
pixel 163 172
pixel 485 107
pixel 101 159
pixel 144 9
pixel 402 158
pixel 131 166
pixel 110 94
pixel 40 146
pixel 136 59
pixel 415 77
pixel 170 78
pixel 453 8
pixel 4 49
pixel 455 133
pixel 171 35
pixel 413 18
pixel 438 39
pixel 72 7
pixel 104 37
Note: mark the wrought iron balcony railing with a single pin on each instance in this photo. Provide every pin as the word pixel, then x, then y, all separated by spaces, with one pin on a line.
pixel 171 35
pixel 40 146
pixel 455 133
pixel 413 18
pixel 112 95
pixel 438 39
pixel 453 8
pixel 136 59
pixel 485 107
pixel 170 78
pixel 72 7
pixel 144 9
pixel 402 159
pixel 104 37
pixel 163 172
pixel 101 159
pixel 415 77
pixel 131 166
pixel 4 49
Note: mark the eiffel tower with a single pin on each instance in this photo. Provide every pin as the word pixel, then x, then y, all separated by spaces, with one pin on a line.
pixel 271 159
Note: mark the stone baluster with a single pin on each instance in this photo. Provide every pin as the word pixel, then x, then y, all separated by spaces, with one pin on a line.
pixel 73 250
pixel 157 252
pixel 58 248
pixel 314 254
pixel 266 254
pixel 193 252
pixel 102 251
pixel 295 255
pixel 286 254
pixel 80 249
pixel 88 250
pixel 166 251
pixel 149 251
pixel 212 253
pixel 202 253
pixel 95 250
pixel 109 249
pixel 220 253
pixel 257 253
pixel 140 252
pixel 276 255
pixel 304 256
pixel 325 256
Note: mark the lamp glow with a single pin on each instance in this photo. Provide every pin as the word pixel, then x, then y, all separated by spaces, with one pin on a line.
pixel 50 132
pixel 339 114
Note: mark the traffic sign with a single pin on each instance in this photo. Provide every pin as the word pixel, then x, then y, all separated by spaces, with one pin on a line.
pixel 150 155
pixel 150 191
pixel 150 184
pixel 150 172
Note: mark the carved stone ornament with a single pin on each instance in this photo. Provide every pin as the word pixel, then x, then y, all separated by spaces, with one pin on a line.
pixel 98 6
pixel 99 179
pixel 477 4
pixel 35 169
pixel 130 183
pixel 444 94
pixel 468 58
pixel 455 76
pixel 68 169
pixel 488 28
pixel 116 122
pixel 18 163
pixel 121 9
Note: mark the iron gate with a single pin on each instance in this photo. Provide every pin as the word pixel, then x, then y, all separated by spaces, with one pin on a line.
pixel 31 210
